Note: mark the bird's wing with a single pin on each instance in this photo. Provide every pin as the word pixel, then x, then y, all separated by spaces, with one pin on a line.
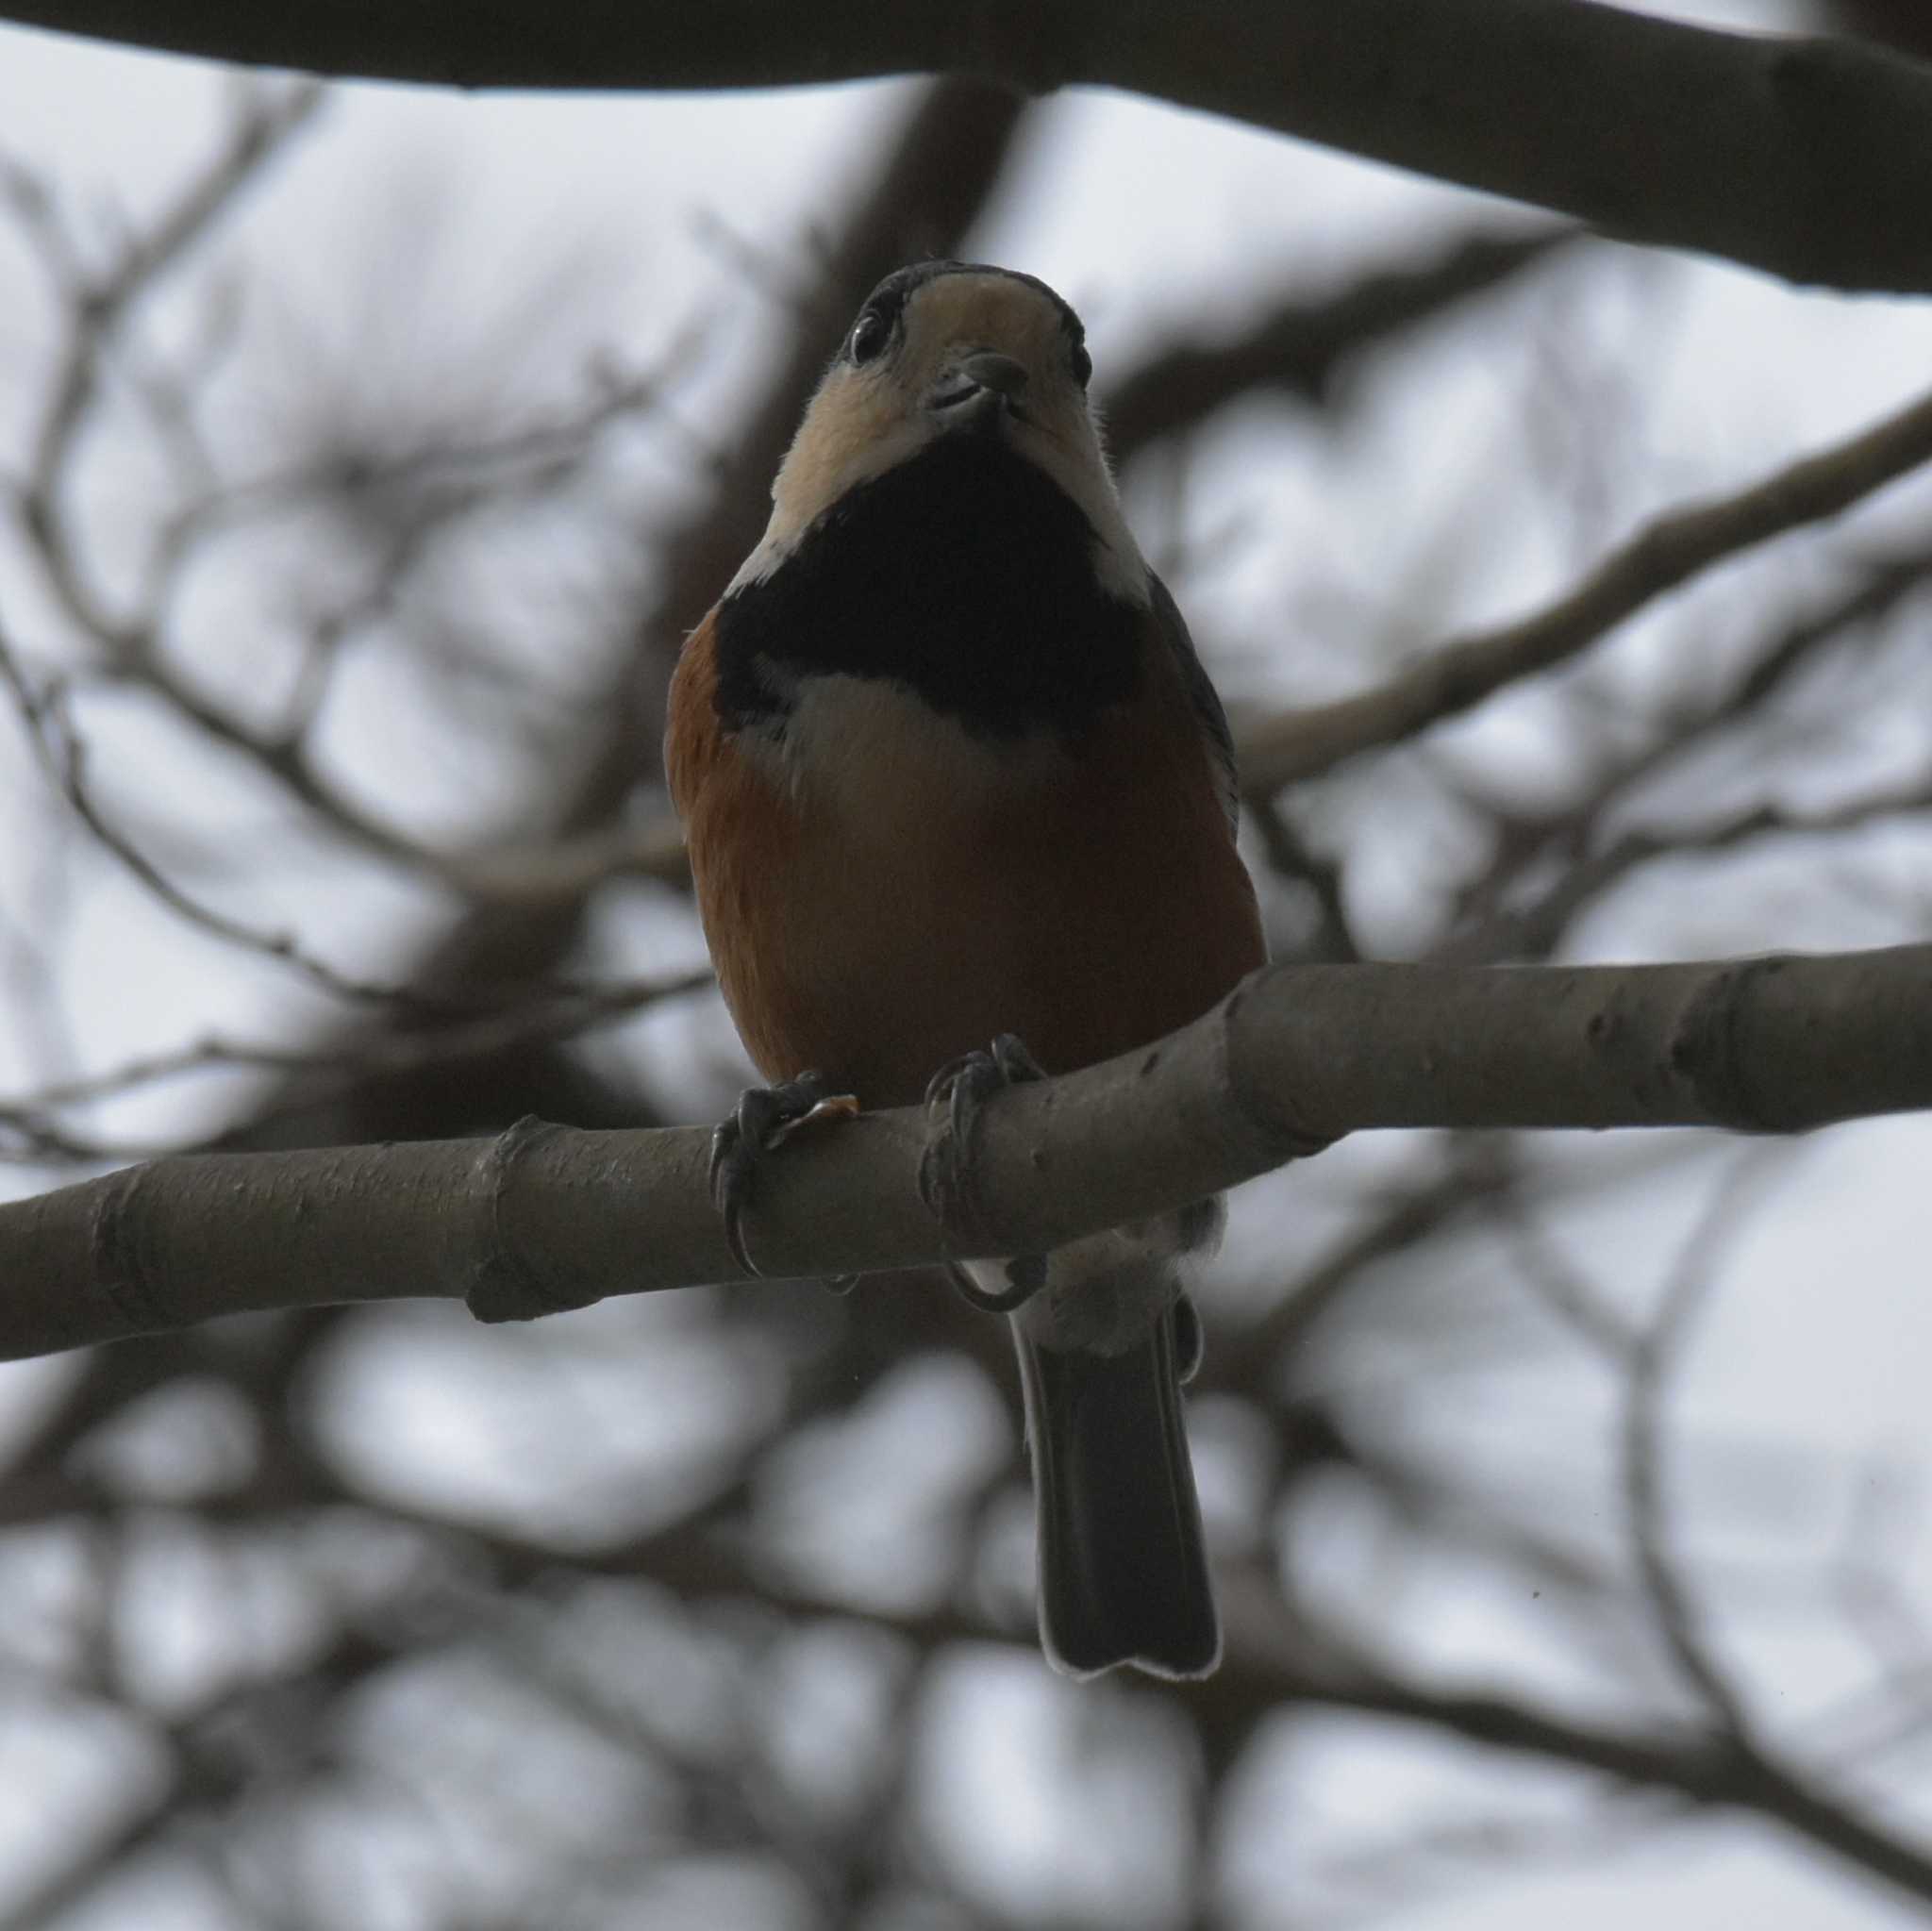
pixel 1201 695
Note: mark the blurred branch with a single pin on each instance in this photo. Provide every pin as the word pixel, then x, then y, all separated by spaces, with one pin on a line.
pixel 1424 1864
pixel 1265 1661
pixel 545 1218
pixel 1532 931
pixel 447 481
pixel 1788 1792
pixel 926 187
pixel 62 754
pixel 100 311
pixel 1661 556
pixel 102 307
pixel 1302 345
pixel 29 1128
pixel 1284 749
pixel 1652 1356
pixel 1294 857
pixel 1404 1219
pixel 931 187
pixel 1496 920
pixel 1803 157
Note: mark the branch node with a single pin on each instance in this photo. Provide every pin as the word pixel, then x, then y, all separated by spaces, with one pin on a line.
pixel 120 1268
pixel 1704 1047
pixel 505 1287
pixel 1263 1106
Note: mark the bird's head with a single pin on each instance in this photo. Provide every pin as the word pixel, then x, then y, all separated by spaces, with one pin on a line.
pixel 944 349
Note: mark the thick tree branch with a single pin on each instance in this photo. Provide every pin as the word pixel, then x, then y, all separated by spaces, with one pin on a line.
pixel 1803 157
pixel 545 1218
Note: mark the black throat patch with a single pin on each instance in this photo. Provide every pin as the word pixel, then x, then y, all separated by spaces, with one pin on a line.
pixel 966 574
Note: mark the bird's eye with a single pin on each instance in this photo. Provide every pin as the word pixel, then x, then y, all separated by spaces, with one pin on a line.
pixel 1083 364
pixel 868 336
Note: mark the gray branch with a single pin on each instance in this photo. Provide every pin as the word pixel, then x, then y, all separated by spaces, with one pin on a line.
pixel 1803 157
pixel 1661 556
pixel 545 1218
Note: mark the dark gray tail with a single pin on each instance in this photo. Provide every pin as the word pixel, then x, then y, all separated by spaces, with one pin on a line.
pixel 1123 1567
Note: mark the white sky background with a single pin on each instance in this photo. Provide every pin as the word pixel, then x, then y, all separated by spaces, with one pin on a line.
pixel 1148 219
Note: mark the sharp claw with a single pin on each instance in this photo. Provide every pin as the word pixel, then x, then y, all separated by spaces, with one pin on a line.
pixel 954 1098
pixel 1016 1063
pixel 940 1085
pixel 764 1117
pixel 734 1239
pixel 730 1176
pixel 723 1135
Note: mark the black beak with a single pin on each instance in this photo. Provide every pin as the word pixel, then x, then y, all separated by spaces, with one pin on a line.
pixel 979 388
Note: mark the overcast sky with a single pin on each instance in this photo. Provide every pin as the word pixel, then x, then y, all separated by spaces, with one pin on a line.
pixel 1147 218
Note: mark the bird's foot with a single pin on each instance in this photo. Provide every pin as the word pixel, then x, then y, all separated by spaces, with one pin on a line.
pixel 954 1100
pixel 763 1120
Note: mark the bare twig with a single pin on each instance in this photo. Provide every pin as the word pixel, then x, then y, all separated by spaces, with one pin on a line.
pixel 1654 1353
pixel 103 308
pixel 1666 554
pixel 534 458
pixel 1303 344
pixel 1402 1221
pixel 1562 1287
pixel 1661 556
pixel 62 755
pixel 314 1076
pixel 1531 931
pixel 1265 1660
pixel 1496 921
pixel 1800 1800
pixel 928 185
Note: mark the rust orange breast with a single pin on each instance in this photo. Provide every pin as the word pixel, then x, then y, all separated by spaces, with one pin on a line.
pixel 910 892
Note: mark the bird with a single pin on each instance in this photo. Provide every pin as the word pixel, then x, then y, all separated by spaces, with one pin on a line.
pixel 961 806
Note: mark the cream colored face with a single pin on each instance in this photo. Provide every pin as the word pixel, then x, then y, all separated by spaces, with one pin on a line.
pixel 870 416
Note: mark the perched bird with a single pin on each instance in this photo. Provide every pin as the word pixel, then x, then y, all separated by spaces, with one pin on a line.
pixel 951 771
